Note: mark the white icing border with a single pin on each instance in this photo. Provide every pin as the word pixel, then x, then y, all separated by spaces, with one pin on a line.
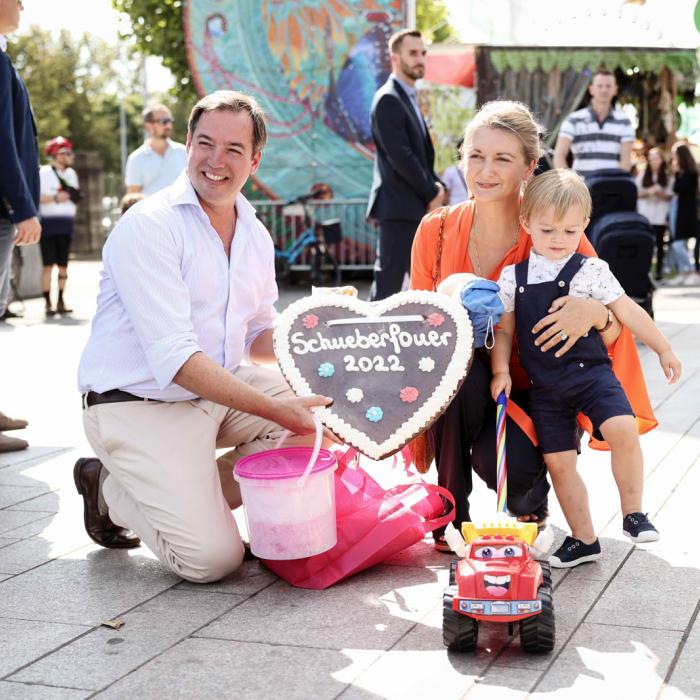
pixel 438 401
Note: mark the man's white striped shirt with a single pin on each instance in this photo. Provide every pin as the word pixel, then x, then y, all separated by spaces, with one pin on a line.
pixel 596 145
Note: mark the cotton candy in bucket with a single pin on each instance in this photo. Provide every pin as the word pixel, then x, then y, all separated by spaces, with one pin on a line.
pixel 289 499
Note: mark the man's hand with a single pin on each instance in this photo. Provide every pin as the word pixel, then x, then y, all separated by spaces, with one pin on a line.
pixel 295 415
pixel 438 199
pixel 62 196
pixel 28 231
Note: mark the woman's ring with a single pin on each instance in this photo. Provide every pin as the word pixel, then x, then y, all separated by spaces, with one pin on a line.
pixel 563 335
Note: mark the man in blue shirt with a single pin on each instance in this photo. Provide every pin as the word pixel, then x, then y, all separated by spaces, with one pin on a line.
pixel 19 178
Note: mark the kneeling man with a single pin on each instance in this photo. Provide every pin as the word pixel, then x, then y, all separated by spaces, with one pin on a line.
pixel 186 297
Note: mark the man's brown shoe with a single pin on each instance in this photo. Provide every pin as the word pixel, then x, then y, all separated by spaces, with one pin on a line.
pixel 10 444
pixel 101 529
pixel 7 423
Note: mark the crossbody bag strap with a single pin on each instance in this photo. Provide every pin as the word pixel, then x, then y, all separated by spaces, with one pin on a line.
pixel 61 181
pixel 438 258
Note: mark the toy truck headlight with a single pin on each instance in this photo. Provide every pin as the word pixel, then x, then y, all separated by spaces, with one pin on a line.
pixel 470 606
pixel 529 606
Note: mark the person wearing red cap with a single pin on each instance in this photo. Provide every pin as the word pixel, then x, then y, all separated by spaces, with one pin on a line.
pixel 59 195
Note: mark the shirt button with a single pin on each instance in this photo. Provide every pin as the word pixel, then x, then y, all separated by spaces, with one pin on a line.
pixel 562 283
pixel 580 364
pixel 521 289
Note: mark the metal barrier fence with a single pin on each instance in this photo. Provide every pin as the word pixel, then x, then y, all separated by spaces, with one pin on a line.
pixel 285 223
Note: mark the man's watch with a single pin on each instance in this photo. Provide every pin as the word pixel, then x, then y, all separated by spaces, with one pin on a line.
pixel 608 323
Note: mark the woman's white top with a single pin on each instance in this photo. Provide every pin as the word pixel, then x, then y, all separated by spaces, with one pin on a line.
pixel 654 207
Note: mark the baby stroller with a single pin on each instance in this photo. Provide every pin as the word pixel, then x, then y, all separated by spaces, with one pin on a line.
pixel 621 236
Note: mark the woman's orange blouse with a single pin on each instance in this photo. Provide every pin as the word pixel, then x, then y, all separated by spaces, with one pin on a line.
pixel 455 258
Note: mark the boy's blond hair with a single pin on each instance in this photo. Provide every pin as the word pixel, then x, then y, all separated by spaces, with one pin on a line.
pixel 559 188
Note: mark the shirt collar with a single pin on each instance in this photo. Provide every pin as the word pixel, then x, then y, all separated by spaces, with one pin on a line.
pixel 182 192
pixel 594 115
pixel 3 43
pixel 152 150
pixel 410 90
pixel 541 260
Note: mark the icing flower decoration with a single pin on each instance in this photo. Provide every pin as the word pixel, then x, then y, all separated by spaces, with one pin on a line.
pixel 326 369
pixel 354 395
pixel 435 320
pixel 426 364
pixel 408 394
pixel 309 321
pixel 374 414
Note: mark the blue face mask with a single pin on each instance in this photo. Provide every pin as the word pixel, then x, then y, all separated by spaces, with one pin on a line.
pixel 480 298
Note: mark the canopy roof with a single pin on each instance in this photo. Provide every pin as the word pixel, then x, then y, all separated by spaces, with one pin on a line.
pixel 455 64
pixel 548 57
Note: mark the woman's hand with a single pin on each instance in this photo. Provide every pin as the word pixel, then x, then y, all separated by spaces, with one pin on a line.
pixel 569 318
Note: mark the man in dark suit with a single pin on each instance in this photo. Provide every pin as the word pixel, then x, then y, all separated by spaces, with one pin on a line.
pixel 19 179
pixel 405 186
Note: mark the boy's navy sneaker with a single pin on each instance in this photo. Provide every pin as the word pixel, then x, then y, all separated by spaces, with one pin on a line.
pixel 574 552
pixel 638 528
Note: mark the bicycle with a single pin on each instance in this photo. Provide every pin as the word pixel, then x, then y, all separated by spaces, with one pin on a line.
pixel 314 240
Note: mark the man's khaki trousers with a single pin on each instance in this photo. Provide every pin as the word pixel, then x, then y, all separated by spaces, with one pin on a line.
pixel 164 481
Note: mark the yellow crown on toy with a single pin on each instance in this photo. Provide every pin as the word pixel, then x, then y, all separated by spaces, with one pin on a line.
pixel 524 531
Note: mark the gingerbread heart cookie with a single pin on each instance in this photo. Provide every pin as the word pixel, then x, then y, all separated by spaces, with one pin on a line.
pixel 391 367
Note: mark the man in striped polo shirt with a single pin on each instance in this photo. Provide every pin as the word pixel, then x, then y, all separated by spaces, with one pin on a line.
pixel 599 136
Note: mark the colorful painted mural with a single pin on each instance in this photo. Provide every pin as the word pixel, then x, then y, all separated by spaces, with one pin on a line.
pixel 314 66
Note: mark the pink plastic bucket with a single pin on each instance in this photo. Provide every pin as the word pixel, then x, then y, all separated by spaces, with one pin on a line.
pixel 289 499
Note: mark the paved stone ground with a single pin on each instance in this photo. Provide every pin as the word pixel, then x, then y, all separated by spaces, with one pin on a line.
pixel 627 626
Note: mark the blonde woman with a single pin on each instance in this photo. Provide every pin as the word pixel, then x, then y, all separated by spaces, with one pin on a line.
pixel 482 235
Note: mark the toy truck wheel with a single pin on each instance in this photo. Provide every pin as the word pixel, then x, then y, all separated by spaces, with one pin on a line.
pixel 459 632
pixel 546 574
pixel 537 632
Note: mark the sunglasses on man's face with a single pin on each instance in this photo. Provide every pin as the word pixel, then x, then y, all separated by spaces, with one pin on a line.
pixel 164 121
pixel 65 153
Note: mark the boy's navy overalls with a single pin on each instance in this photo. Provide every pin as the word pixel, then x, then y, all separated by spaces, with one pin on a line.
pixel 582 380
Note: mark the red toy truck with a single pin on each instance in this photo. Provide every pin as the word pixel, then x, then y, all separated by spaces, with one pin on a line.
pixel 499 581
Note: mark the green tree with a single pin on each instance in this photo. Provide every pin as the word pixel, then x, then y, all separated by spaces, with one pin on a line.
pixel 74 85
pixel 432 18
pixel 157 27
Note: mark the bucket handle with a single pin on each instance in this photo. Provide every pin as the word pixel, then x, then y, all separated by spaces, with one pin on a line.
pixel 314 452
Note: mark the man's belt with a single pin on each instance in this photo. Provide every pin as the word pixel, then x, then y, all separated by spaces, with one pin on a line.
pixel 92 398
